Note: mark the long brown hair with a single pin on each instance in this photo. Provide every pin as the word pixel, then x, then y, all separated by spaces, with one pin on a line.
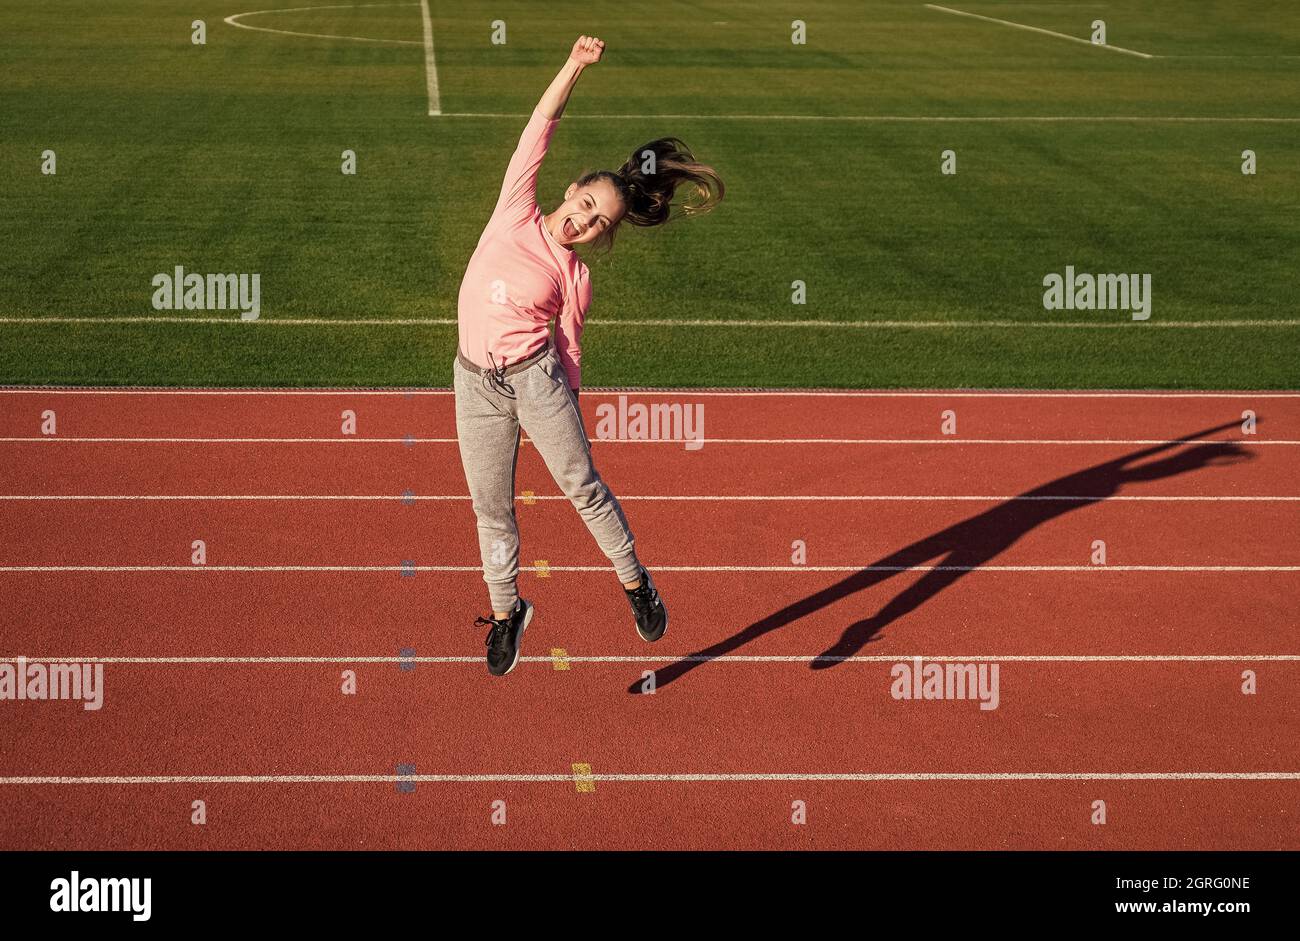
pixel 648 180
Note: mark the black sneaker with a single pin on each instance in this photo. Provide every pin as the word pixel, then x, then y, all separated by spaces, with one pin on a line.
pixel 504 636
pixel 651 615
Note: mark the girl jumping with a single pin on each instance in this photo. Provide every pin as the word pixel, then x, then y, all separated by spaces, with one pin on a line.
pixel 509 372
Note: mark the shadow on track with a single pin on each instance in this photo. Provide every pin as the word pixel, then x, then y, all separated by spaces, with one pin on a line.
pixel 968 545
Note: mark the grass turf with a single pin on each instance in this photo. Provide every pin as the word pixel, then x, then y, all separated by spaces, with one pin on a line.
pixel 225 157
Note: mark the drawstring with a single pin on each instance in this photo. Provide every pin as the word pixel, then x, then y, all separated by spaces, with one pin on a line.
pixel 495 379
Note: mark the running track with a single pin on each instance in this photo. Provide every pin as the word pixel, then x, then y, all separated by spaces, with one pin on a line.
pixel 1118 683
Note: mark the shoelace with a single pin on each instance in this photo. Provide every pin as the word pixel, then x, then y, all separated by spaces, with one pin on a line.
pixel 645 597
pixel 495 378
pixel 498 633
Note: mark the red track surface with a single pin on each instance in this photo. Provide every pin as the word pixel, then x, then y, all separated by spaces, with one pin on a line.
pixel 1106 672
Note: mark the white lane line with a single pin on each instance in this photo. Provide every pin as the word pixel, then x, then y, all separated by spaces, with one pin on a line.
pixel 670 322
pixel 233 20
pixel 660 568
pixel 706 390
pixel 1045 32
pixel 698 658
pixel 75 439
pixel 758 777
pixel 336 440
pixel 430 67
pixel 687 498
pixel 902 118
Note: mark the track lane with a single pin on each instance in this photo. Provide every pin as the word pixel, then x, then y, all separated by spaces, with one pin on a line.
pixel 442 532
pixel 649 468
pixel 431 413
pixel 206 719
pixel 379 614
pixel 1041 815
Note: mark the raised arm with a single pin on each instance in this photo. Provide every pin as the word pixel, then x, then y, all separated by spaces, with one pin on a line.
pixel 519 188
pixel 586 51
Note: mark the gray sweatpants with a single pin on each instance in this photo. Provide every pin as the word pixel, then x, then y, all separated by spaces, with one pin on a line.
pixel 488 420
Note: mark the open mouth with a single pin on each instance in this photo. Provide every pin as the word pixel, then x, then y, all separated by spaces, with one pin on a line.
pixel 570 230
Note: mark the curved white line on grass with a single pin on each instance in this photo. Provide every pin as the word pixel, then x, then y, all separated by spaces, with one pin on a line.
pixel 337 6
pixel 700 658
pixel 754 777
pixel 666 322
pixel 661 568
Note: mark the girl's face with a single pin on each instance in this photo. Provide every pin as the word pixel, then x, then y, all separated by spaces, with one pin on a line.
pixel 586 212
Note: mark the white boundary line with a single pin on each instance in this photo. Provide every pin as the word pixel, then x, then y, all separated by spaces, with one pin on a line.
pixel 412 440
pixel 731 569
pixel 430 67
pixel 860 498
pixel 685 390
pixel 901 118
pixel 696 658
pixel 1045 32
pixel 665 778
pixel 666 322
pixel 233 18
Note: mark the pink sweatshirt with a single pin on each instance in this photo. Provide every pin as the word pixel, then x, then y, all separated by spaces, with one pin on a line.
pixel 520 278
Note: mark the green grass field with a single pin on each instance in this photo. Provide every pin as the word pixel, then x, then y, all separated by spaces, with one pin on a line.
pixel 225 157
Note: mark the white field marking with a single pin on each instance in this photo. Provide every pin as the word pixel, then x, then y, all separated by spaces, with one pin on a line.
pixel 667 322
pixel 700 658
pixel 664 778
pixel 684 390
pixel 902 118
pixel 430 67
pixel 1045 32
pixel 1116 48
pixel 232 20
pixel 669 441
pixel 660 568
pixel 686 498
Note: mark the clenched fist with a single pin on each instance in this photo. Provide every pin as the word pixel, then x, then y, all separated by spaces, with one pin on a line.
pixel 587 50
